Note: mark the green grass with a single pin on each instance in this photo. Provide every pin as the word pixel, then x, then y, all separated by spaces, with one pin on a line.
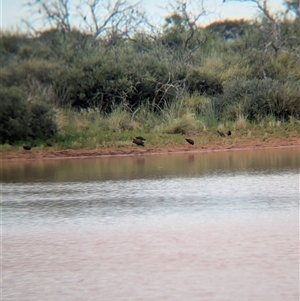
pixel 92 130
pixel 161 90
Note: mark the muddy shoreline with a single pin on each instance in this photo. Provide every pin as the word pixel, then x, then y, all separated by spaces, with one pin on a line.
pixel 50 153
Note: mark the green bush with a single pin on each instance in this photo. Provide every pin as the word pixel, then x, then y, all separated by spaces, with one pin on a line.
pixel 259 97
pixel 204 82
pixel 225 69
pixel 105 79
pixel 21 120
pixel 42 124
pixel 14 115
pixel 10 44
pixel 284 67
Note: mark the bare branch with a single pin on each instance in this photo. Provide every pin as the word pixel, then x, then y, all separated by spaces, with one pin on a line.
pixel 116 17
pixel 113 17
pixel 53 13
pixel 274 32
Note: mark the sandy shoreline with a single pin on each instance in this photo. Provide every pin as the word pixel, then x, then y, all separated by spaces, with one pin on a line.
pixel 51 153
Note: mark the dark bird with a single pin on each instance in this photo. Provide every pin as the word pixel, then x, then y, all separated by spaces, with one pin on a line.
pixel 229 133
pixel 138 141
pixel 190 141
pixel 27 147
pixel 221 133
pixel 140 138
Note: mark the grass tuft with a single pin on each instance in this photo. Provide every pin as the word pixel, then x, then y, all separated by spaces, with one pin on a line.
pixel 241 122
pixel 184 125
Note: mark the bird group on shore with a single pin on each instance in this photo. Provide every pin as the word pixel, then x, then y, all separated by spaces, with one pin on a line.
pixel 139 140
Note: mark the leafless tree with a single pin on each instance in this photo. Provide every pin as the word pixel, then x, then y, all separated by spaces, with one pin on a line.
pixel 49 14
pixel 273 33
pixel 186 16
pixel 119 18
pixel 97 17
pixel 190 18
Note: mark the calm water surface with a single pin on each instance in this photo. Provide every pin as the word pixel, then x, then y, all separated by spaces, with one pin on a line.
pixel 210 226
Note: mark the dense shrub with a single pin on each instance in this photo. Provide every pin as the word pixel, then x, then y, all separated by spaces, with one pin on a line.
pixel 204 82
pixel 10 44
pixel 105 79
pixel 284 67
pixel 230 29
pixel 259 97
pixel 21 120
pixel 226 69
pixel 14 115
pixel 42 124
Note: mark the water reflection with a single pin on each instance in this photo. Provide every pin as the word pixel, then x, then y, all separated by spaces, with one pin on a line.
pixel 156 166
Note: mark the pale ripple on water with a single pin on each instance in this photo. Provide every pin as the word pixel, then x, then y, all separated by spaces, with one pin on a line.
pixel 105 200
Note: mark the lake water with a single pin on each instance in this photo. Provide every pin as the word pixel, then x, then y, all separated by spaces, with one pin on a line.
pixel 202 226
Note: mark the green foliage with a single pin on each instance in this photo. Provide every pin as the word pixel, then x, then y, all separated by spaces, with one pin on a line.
pixel 230 29
pixel 14 115
pixel 183 125
pixel 181 80
pixel 259 97
pixel 21 120
pixel 42 123
pixel 204 82
pixel 284 67
pixel 118 120
pixel 10 45
pixel 42 70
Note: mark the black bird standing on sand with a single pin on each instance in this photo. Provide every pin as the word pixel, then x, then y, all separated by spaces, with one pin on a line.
pixel 229 133
pixel 221 133
pixel 190 141
pixel 138 141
